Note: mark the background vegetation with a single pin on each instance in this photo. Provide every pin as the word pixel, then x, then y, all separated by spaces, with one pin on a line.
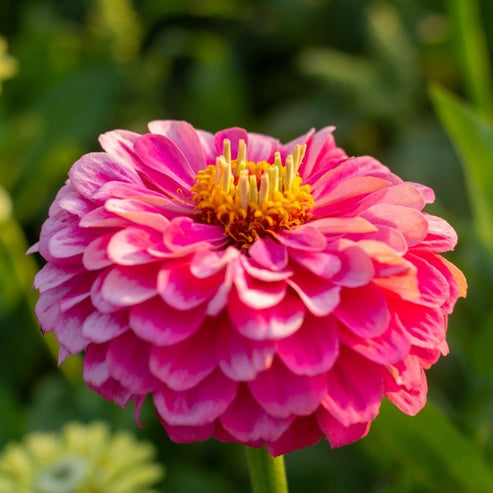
pixel 381 71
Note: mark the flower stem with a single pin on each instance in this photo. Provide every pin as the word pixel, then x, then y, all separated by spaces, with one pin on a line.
pixel 267 473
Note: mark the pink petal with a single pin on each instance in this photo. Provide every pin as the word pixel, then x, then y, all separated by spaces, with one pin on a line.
pixel 68 327
pixel 257 294
pixel 313 348
pixel 239 357
pixel 392 346
pixel 51 276
pixel 306 237
pixel 185 364
pixel 408 400
pixel 95 256
pixel 425 326
pixel 320 296
pixel 186 139
pixel 102 327
pixel 269 253
pixel 98 378
pixel 129 246
pixel 207 142
pixel 356 266
pixel 184 232
pixel 269 323
pixel 129 285
pixel 128 358
pixel 80 289
pixel 182 290
pixel 250 267
pixel 161 324
pixel 163 155
pixel 69 241
pixel 282 393
pixel 347 192
pixel 322 264
pixel 197 406
pixel 432 284
pixel 47 307
pixel 364 310
pixel 100 303
pixel 248 422
pixel 354 389
pixel 206 262
pixel 138 212
pixel 321 144
pixel 343 225
pixel 71 201
pixel 386 260
pixel 120 144
pixel 102 218
pixel 441 236
pixel 410 222
pixel 234 135
pixel 188 434
pixel 303 432
pixel 261 147
pixel 384 234
pixel 95 169
pixel 403 194
pixel 337 434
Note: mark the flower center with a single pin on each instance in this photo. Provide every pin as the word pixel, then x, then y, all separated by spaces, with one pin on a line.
pixel 252 199
pixel 63 476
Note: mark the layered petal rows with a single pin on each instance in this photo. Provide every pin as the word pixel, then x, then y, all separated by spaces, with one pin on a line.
pixel 296 336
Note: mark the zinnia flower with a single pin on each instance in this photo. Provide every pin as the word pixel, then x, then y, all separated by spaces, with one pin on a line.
pixel 80 459
pixel 260 293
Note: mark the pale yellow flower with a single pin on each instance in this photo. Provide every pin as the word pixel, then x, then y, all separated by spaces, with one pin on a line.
pixel 80 459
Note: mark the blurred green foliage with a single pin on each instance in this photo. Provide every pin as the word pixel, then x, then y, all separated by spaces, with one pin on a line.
pixel 71 70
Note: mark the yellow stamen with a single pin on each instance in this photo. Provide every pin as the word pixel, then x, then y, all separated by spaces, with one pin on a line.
pixel 252 199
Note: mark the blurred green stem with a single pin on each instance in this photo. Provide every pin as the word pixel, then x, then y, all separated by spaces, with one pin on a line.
pixel 267 473
pixel 472 52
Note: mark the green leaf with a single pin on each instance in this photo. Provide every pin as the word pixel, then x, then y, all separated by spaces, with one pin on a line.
pixel 471 48
pixel 472 136
pixel 430 446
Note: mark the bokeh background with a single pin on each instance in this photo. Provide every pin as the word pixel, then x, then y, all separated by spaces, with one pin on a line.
pixel 383 72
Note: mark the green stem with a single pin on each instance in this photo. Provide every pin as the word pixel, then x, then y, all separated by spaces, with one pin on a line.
pixel 267 473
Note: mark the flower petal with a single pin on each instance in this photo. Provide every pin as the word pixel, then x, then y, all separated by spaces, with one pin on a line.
pixel 303 432
pixel 95 169
pixel 364 310
pixel 186 139
pixel 269 253
pixel 337 434
pixel 282 393
pixel 129 246
pixel 241 358
pixel 248 422
pixel 162 155
pixel 313 348
pixel 182 290
pixel 319 295
pixel 102 327
pixel 269 323
pixel 128 358
pixel 197 406
pixel 354 389
pixel 129 285
pixel 161 324
pixel 98 378
pixel 183 365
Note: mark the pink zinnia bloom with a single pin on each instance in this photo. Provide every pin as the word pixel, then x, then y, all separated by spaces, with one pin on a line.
pixel 260 293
